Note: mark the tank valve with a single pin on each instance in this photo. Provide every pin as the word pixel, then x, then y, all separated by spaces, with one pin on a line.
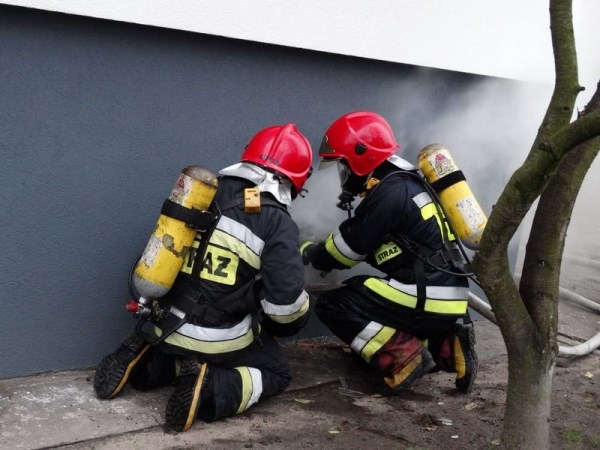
pixel 139 310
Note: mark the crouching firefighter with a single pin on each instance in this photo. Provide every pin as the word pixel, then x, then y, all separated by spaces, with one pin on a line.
pixel 241 284
pixel 414 319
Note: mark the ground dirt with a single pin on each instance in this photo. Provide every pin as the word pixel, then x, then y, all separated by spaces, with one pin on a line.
pixel 435 415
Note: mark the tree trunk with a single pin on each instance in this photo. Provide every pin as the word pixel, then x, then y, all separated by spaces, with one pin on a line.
pixel 526 418
pixel 528 317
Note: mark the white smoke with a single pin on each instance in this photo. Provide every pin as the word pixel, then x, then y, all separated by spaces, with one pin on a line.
pixel 317 216
pixel 488 129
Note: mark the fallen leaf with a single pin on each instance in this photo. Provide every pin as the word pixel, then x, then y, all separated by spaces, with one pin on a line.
pixel 470 406
pixel 334 431
pixel 304 401
pixel 588 374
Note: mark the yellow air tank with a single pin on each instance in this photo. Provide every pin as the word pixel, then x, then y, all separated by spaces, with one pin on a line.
pixel 460 205
pixel 172 238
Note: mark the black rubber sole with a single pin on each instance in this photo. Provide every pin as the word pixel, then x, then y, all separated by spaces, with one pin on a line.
pixel 184 402
pixel 466 383
pixel 114 370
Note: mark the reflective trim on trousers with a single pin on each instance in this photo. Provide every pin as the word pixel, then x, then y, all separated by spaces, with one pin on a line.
pixel 212 340
pixel 371 339
pixel 440 299
pixel 252 387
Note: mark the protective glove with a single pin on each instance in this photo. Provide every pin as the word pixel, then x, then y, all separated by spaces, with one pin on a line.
pixel 305 249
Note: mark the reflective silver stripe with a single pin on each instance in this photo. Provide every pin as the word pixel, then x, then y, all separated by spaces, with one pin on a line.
pixel 273 309
pixel 179 313
pixel 242 233
pixel 257 386
pixel 365 336
pixel 422 199
pixel 216 334
pixel 343 248
pixel 433 292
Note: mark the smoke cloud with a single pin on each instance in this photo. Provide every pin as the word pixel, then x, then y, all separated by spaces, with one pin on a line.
pixel 489 130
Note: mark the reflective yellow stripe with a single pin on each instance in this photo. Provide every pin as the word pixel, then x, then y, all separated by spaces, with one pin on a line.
pixel 378 341
pixel 336 254
pixel 211 347
pixel 288 318
pixel 238 247
pixel 306 244
pixel 430 210
pixel 287 313
pixel 246 388
pixel 447 306
pixel 396 296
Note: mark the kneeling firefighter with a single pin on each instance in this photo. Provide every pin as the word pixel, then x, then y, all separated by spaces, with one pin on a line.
pixel 414 319
pixel 240 284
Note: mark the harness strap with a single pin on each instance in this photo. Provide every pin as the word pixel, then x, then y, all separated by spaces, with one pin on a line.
pixel 194 218
pixel 229 308
pixel 447 181
pixel 448 257
pixel 182 308
pixel 420 279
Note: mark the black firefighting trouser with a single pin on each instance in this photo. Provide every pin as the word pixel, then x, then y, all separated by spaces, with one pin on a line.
pixel 226 384
pixel 349 310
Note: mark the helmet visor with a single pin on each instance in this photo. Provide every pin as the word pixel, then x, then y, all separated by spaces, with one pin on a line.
pixel 342 167
pixel 343 172
pixel 327 162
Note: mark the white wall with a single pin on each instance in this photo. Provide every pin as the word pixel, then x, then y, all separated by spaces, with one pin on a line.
pixel 508 38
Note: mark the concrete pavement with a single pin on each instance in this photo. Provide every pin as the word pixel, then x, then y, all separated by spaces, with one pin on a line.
pixel 60 410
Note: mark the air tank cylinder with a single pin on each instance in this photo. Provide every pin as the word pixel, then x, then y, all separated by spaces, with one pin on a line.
pixel 460 205
pixel 172 239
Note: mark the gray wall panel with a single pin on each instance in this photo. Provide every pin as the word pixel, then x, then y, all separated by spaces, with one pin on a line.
pixel 96 120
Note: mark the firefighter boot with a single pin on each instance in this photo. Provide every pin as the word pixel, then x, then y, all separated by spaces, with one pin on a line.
pixel 401 360
pixel 401 380
pixel 465 357
pixel 155 369
pixel 114 370
pixel 184 403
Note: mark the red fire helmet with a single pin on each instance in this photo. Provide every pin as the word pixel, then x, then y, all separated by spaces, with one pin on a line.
pixel 362 138
pixel 283 149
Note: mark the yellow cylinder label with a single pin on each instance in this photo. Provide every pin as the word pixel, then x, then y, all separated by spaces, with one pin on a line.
pixel 462 205
pixel 436 165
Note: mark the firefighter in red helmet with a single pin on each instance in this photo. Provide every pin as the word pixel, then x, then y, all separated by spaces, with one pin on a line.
pixel 242 286
pixel 404 323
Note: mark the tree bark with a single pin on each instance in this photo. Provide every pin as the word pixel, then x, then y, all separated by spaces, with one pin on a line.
pixel 527 412
pixel 528 317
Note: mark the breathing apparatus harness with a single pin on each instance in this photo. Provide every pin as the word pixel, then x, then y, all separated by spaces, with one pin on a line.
pixel 174 310
pixel 451 258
